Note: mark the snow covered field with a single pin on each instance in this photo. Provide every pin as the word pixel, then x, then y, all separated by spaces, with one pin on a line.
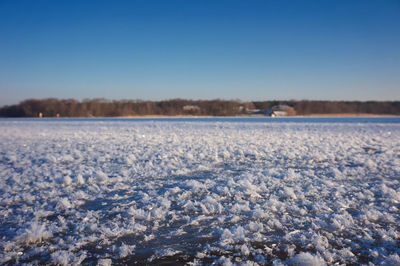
pixel 302 191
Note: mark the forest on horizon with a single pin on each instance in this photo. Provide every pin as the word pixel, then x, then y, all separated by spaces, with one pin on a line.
pixel 105 108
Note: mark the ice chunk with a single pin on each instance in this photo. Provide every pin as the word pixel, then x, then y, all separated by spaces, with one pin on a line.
pixel 342 221
pixel 63 204
pixel 227 237
pixel 104 262
pixel 66 158
pixel 255 226
pixel 126 250
pixel 64 257
pixel 196 185
pixel 225 261
pixel 35 233
pixel 244 249
pixel 61 257
pixel 100 176
pixel 306 259
pixel 80 180
pixel 67 180
pixel 288 192
pixel 210 205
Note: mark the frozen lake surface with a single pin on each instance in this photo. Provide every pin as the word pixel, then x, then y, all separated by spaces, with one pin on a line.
pixel 297 191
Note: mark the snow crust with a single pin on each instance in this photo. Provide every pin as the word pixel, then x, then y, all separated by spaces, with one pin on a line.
pixel 199 192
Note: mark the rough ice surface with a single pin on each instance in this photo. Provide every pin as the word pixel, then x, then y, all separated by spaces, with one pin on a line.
pixel 200 191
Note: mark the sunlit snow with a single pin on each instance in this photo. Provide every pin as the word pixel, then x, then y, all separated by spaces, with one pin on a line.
pixel 200 191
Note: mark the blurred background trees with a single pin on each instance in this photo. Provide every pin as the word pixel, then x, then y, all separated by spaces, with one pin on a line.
pixel 104 108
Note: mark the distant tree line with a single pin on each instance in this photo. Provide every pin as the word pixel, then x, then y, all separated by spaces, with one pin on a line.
pixel 104 108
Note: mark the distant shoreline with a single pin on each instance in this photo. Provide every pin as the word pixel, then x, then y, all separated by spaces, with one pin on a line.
pixel 258 115
pixel 210 116
pixel 348 115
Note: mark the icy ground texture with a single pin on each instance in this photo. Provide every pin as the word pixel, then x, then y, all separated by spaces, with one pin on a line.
pixel 131 191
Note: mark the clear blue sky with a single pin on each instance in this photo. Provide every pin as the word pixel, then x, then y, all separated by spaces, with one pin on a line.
pixel 154 50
